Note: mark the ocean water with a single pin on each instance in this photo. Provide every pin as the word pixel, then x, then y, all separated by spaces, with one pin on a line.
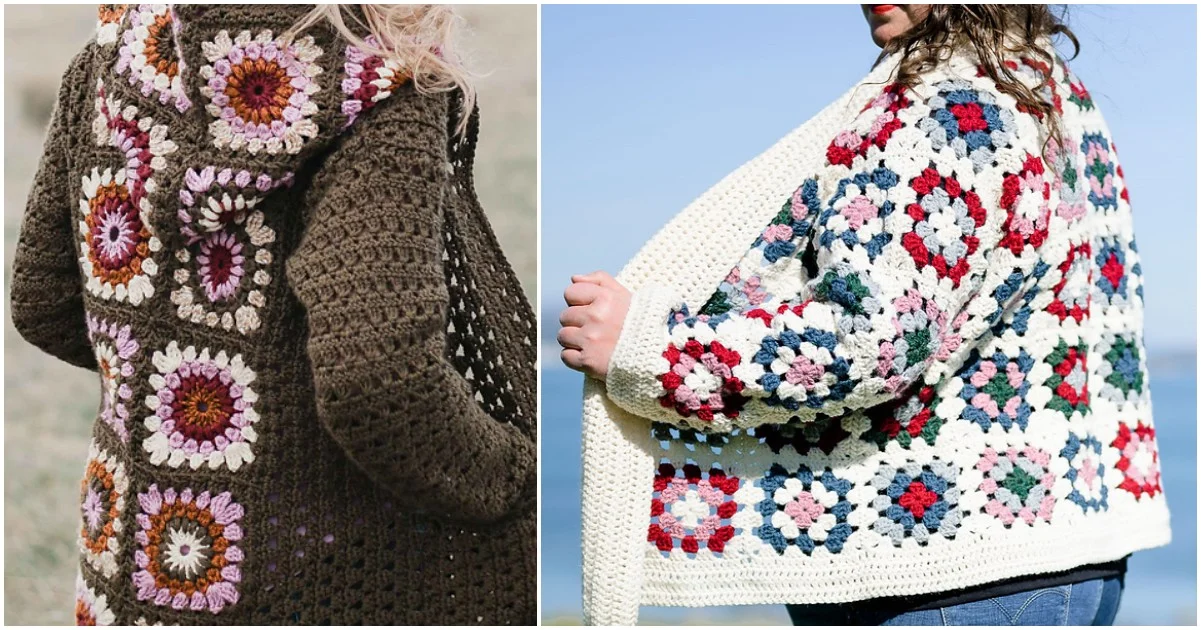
pixel 1161 586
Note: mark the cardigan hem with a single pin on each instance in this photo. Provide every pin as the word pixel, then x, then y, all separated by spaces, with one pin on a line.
pixel 771 583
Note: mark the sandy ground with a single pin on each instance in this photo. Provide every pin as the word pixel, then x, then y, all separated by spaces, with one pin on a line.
pixel 49 405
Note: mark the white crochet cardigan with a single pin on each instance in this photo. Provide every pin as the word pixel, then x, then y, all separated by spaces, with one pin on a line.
pixel 957 395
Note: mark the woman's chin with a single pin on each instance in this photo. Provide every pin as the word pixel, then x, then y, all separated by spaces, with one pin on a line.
pixel 883 33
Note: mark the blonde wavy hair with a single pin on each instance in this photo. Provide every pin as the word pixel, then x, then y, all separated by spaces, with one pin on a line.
pixel 419 37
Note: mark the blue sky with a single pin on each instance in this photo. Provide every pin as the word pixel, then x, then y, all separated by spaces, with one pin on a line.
pixel 644 107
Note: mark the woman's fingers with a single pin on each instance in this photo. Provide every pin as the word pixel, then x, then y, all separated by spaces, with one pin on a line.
pixel 575 360
pixel 595 277
pixel 572 358
pixel 599 278
pixel 574 316
pixel 591 324
pixel 581 293
pixel 571 337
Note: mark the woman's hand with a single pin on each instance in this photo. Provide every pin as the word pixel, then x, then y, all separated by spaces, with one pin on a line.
pixel 596 309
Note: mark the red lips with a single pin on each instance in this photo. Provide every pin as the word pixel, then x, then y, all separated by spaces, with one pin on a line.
pixel 881 9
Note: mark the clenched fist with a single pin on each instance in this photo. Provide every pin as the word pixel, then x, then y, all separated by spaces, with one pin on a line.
pixel 596 308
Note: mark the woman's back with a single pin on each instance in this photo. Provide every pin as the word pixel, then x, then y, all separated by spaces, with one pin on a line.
pixel 316 368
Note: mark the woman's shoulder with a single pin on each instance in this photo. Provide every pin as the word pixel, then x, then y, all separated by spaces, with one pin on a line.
pixel 964 101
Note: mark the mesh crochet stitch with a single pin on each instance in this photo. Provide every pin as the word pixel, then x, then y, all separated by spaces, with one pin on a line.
pixel 342 430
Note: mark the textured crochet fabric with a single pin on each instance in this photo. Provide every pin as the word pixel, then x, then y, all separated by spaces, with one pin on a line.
pixel 317 375
pixel 926 371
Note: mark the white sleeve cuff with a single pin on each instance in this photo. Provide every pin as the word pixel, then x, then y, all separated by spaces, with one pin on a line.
pixel 632 380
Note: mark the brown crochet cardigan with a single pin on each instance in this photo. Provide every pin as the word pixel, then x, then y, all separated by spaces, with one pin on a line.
pixel 317 368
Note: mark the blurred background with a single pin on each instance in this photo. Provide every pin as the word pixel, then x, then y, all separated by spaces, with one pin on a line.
pixel 645 107
pixel 48 405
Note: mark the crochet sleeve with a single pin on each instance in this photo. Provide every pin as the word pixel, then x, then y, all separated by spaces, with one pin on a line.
pixel 369 272
pixel 910 258
pixel 47 289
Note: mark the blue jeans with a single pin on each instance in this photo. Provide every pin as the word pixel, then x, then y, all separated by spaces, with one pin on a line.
pixel 1090 603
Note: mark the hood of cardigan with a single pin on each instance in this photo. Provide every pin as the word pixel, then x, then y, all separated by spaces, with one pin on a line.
pixel 215 111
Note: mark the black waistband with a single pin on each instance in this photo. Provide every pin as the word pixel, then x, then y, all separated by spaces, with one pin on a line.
pixel 873 611
pixel 1116 568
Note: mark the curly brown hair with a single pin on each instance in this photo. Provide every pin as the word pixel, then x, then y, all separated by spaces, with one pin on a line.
pixel 994 33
